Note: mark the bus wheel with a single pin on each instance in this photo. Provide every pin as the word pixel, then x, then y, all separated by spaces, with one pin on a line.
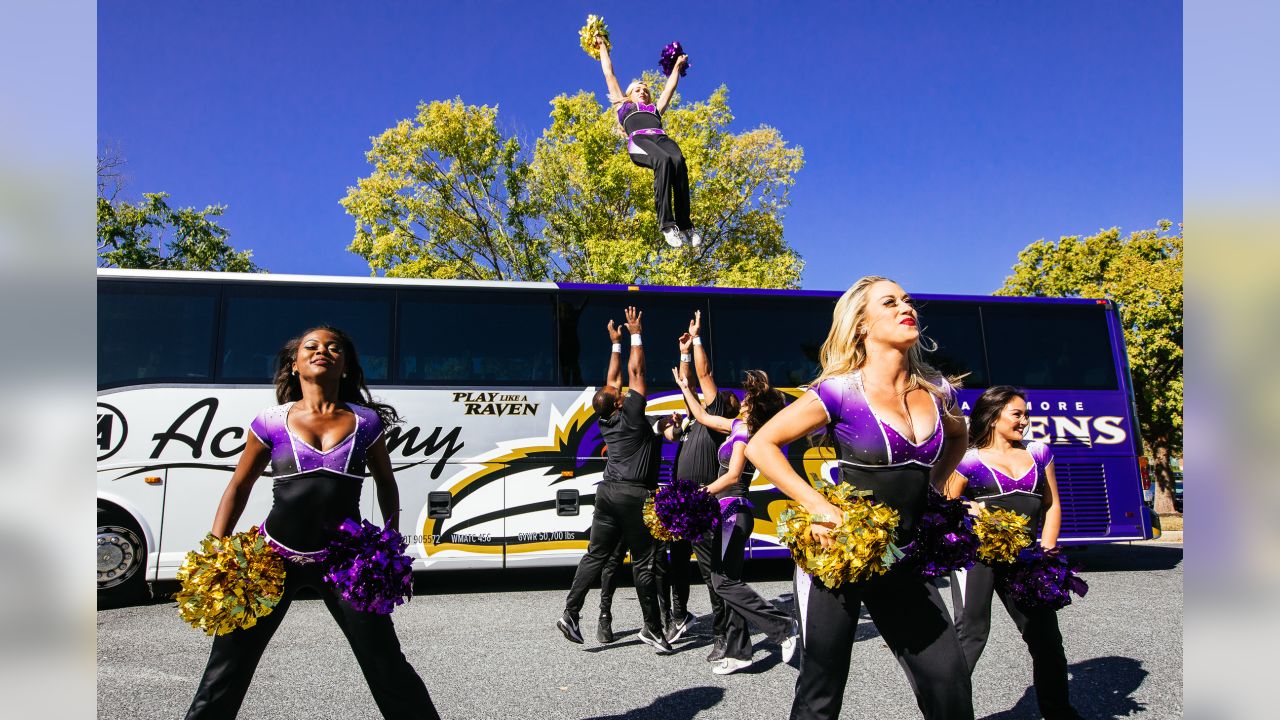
pixel 122 555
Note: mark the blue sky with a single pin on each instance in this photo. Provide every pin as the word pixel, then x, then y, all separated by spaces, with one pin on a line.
pixel 940 138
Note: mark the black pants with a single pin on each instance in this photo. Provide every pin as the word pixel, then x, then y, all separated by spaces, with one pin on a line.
pixel 618 518
pixel 670 179
pixel 971 593
pixel 912 621
pixel 397 689
pixel 670 577
pixel 704 549
pixel 744 604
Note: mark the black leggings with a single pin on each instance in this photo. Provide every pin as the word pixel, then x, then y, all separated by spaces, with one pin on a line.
pixel 912 621
pixel 744 604
pixel 971 593
pixel 670 178
pixel 618 518
pixel 396 688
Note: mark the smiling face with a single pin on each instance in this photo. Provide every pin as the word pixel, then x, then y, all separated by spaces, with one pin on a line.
pixel 1011 423
pixel 320 354
pixel 890 316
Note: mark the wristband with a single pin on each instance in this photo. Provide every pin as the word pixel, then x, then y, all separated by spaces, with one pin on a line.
pixel 617 347
pixel 635 340
pixel 697 340
pixel 685 357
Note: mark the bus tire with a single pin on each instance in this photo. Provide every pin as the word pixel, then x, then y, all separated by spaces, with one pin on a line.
pixel 122 558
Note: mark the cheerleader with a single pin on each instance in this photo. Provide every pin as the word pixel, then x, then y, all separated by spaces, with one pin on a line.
pixel 896 429
pixel 745 605
pixel 318 442
pixel 640 119
pixel 1002 470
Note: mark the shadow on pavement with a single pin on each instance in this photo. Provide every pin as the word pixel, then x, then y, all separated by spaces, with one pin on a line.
pixel 1125 558
pixel 680 705
pixel 1100 688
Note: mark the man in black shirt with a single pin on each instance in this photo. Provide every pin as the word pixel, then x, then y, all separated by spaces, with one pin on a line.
pixel 629 477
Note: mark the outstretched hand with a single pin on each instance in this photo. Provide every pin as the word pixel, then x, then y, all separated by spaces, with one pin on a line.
pixel 615 333
pixel 695 325
pixel 633 320
pixel 686 343
pixel 681 380
pixel 681 62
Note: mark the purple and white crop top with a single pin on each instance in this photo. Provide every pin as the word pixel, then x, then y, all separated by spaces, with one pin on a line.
pixel 863 438
pixel 291 456
pixel 738 433
pixel 639 116
pixel 313 490
pixel 986 481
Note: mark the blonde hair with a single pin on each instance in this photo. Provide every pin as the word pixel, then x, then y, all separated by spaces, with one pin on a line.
pixel 845 350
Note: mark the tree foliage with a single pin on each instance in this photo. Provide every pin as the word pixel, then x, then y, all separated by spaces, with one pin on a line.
pixel 1142 274
pixel 152 235
pixel 451 196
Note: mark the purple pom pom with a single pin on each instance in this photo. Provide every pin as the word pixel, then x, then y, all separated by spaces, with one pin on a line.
pixel 686 510
pixel 944 540
pixel 668 59
pixel 1043 579
pixel 368 566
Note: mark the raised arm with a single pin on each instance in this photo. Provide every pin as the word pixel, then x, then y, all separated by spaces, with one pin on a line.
pixel 253 461
pixel 606 65
pixel 1053 510
pixel 712 422
pixel 793 422
pixel 700 361
pixel 737 463
pixel 635 361
pixel 614 378
pixel 384 479
pixel 672 80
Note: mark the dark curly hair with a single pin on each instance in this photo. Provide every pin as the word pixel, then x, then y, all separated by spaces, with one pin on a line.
pixel 351 388
pixel 765 400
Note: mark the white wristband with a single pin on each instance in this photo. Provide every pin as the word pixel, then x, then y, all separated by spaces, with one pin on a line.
pixel 697 340
pixel 617 347
pixel 635 340
pixel 685 357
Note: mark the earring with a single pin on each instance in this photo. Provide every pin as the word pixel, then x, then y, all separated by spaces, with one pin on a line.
pixel 295 372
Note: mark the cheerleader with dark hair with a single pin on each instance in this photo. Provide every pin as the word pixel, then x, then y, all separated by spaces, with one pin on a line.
pixel 1001 470
pixel 326 430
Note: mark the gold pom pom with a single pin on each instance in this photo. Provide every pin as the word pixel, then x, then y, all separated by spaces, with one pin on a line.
pixel 594 28
pixel 230 583
pixel 651 520
pixel 1003 533
pixel 863 542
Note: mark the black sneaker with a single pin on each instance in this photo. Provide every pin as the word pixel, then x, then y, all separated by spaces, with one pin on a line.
pixel 717 649
pixel 604 629
pixel 679 626
pixel 659 643
pixel 568 626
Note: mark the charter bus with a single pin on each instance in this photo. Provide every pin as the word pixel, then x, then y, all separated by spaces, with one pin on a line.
pixel 499 453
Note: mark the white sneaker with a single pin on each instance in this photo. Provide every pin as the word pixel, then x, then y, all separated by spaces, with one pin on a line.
pixel 695 237
pixel 789 645
pixel 674 236
pixel 730 665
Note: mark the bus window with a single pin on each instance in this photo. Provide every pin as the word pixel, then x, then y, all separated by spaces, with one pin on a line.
pixel 1043 345
pixel 584 340
pixel 174 343
pixel 476 338
pixel 257 321
pixel 956 329
pixel 778 334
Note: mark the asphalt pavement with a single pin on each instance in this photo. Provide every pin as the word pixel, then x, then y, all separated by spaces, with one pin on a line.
pixel 487 647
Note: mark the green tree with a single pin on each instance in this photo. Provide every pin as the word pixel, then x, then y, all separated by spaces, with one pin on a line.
pixel 1142 274
pixel 451 196
pixel 152 235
